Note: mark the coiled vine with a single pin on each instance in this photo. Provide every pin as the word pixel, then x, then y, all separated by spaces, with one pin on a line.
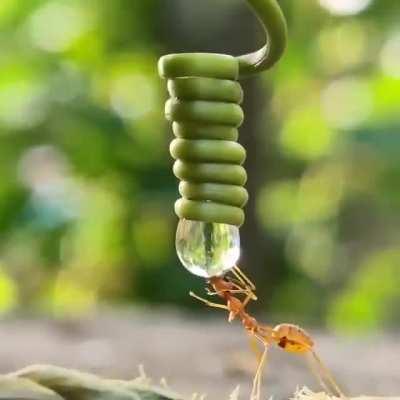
pixel 204 108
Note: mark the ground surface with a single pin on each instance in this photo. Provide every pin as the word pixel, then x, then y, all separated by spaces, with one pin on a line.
pixel 206 356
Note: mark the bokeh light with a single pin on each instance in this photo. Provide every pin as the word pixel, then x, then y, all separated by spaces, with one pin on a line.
pixel 305 133
pixel 132 96
pixel 336 53
pixel 345 7
pixel 390 56
pixel 57 24
pixel 22 104
pixel 346 103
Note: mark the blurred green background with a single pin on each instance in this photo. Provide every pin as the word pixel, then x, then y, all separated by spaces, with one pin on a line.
pixel 86 187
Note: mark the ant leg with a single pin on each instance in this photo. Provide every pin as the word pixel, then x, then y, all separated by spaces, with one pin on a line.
pixel 328 375
pixel 218 292
pixel 209 303
pixel 324 376
pixel 243 286
pixel 256 390
pixel 247 299
pixel 319 377
pixel 240 288
pixel 253 344
pixel 262 365
pixel 249 294
pixel 243 277
pixel 244 282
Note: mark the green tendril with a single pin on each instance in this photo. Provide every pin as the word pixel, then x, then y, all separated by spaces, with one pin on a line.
pixel 205 112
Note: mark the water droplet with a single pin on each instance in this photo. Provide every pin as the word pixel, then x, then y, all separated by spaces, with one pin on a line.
pixel 207 249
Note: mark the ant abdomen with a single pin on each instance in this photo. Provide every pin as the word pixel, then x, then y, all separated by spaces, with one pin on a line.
pixel 292 338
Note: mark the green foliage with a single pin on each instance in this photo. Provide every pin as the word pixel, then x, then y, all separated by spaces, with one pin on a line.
pixel 336 205
pixel 86 188
pixel 371 296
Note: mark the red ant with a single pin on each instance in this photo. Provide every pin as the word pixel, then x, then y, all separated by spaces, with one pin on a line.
pixel 289 337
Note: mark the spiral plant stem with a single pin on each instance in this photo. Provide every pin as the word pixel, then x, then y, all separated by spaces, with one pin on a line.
pixel 204 108
pixel 205 112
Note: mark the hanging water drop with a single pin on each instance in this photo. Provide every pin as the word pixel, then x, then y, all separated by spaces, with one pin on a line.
pixel 207 249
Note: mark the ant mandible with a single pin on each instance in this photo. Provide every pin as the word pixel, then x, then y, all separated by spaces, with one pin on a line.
pixel 291 338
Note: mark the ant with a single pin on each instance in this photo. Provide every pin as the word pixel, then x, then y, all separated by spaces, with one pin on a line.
pixel 291 338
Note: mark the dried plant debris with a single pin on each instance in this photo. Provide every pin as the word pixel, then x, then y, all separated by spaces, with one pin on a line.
pixel 307 394
pixel 43 382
